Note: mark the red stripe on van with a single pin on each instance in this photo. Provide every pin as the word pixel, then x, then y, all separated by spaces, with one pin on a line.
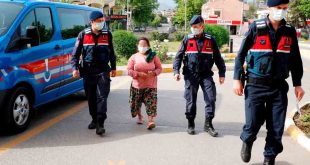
pixel 39 66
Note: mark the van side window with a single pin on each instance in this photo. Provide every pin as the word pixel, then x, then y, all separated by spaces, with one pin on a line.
pixel 42 20
pixel 29 20
pixel 44 23
pixel 72 22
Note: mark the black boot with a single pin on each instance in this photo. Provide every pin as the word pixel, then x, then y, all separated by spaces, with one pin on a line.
pixel 246 152
pixel 269 161
pixel 92 125
pixel 191 127
pixel 209 127
pixel 100 129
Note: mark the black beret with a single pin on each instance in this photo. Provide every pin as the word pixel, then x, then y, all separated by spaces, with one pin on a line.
pixel 196 20
pixel 272 3
pixel 95 15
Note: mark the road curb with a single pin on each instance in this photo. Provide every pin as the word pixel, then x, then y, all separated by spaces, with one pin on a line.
pixel 294 132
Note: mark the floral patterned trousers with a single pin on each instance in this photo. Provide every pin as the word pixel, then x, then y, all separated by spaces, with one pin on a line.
pixel 148 96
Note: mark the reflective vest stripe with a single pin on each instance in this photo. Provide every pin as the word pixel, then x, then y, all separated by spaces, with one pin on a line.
pixel 191 52
pixel 283 51
pixel 261 50
pixel 207 52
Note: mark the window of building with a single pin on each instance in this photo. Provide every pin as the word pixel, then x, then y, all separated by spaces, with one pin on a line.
pixel 218 13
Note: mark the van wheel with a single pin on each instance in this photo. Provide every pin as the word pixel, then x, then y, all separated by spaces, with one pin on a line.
pixel 18 111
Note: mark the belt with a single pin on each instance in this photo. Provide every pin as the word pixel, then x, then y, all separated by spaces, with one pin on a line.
pixel 265 82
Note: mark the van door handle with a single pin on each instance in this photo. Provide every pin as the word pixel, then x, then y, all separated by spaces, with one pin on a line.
pixel 57 47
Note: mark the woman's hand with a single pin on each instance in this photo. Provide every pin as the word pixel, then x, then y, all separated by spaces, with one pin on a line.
pixel 142 75
pixel 151 73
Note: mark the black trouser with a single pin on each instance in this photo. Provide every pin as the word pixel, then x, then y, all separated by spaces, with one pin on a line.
pixel 265 103
pixel 97 89
pixel 192 84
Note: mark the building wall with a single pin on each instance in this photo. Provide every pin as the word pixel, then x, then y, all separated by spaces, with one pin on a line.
pixel 230 9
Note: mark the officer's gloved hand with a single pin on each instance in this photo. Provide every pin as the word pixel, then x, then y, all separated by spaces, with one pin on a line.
pixel 177 77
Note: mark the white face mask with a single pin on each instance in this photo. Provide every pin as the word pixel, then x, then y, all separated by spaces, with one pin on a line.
pixel 143 49
pixel 196 31
pixel 98 26
pixel 278 14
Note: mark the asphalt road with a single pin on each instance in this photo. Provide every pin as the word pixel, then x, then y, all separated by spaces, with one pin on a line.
pixel 59 134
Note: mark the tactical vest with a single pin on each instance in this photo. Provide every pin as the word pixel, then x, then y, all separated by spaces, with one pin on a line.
pixel 95 54
pixel 266 61
pixel 95 51
pixel 197 59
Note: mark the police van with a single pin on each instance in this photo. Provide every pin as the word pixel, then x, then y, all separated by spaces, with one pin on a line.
pixel 36 41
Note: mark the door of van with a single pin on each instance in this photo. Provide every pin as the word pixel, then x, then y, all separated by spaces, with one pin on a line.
pixel 72 22
pixel 43 59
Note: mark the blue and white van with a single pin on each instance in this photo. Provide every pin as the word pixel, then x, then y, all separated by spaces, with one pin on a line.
pixel 36 41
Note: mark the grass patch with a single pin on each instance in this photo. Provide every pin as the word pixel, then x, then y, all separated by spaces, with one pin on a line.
pixel 303 121
pixel 172 46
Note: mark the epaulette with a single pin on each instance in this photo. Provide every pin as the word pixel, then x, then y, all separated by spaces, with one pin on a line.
pixel 261 24
pixel 190 36
pixel 87 31
pixel 207 36
pixel 104 31
pixel 288 25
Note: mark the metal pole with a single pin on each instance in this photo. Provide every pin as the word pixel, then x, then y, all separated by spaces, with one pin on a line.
pixel 127 12
pixel 240 30
pixel 185 1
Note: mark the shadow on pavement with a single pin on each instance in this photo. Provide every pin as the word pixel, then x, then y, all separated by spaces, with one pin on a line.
pixel 73 131
pixel 277 163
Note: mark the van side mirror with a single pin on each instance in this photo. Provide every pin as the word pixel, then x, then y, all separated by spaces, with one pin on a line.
pixel 32 37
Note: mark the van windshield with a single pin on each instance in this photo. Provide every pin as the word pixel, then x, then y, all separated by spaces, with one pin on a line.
pixel 9 12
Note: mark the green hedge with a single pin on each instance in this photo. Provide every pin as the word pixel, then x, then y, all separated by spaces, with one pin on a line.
pixel 125 43
pixel 179 36
pixel 159 36
pixel 220 34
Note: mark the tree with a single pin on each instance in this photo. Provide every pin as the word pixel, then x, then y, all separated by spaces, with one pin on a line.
pixel 142 10
pixel 304 8
pixel 298 17
pixel 193 8
pixel 251 13
pixel 156 21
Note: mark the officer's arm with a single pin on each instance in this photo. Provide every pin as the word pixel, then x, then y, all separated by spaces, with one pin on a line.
pixel 112 55
pixel 295 62
pixel 246 45
pixel 77 50
pixel 179 57
pixel 219 61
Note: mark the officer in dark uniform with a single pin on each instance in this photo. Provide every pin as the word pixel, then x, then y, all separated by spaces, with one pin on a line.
pixel 95 46
pixel 199 52
pixel 271 51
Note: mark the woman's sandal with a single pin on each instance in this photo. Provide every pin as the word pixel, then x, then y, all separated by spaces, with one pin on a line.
pixel 151 125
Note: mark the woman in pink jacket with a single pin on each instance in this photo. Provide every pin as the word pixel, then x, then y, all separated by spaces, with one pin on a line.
pixel 144 67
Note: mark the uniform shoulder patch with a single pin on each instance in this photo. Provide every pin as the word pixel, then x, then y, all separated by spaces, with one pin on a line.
pixel 87 30
pixel 191 36
pixel 207 36
pixel 260 24
pixel 104 31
